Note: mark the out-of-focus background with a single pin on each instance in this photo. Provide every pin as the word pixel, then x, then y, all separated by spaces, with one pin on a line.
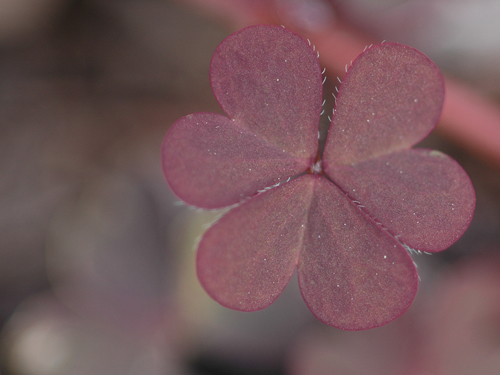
pixel 96 255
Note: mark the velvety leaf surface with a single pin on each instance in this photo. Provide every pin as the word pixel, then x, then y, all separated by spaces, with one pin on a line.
pixel 211 161
pixel 352 274
pixel 269 80
pixel 423 197
pixel 390 99
pixel 245 259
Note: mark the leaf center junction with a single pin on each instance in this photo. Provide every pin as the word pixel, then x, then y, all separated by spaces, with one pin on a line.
pixel 316 168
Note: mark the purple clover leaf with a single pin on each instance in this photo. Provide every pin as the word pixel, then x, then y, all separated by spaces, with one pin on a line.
pixel 346 219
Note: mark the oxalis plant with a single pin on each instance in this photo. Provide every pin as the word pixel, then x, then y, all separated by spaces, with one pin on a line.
pixel 346 217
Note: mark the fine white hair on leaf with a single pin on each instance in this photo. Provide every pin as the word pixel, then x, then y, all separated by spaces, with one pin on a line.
pixel 206 226
pixel 308 41
pixel 334 96
pixel 346 68
pixel 324 70
pixel 324 79
pixel 322 112
pixel 324 101
pixel 197 242
pixel 329 118
pixel 314 47
pixel 283 26
pixel 411 250
pixel 269 188
pixel 338 78
pixel 336 89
